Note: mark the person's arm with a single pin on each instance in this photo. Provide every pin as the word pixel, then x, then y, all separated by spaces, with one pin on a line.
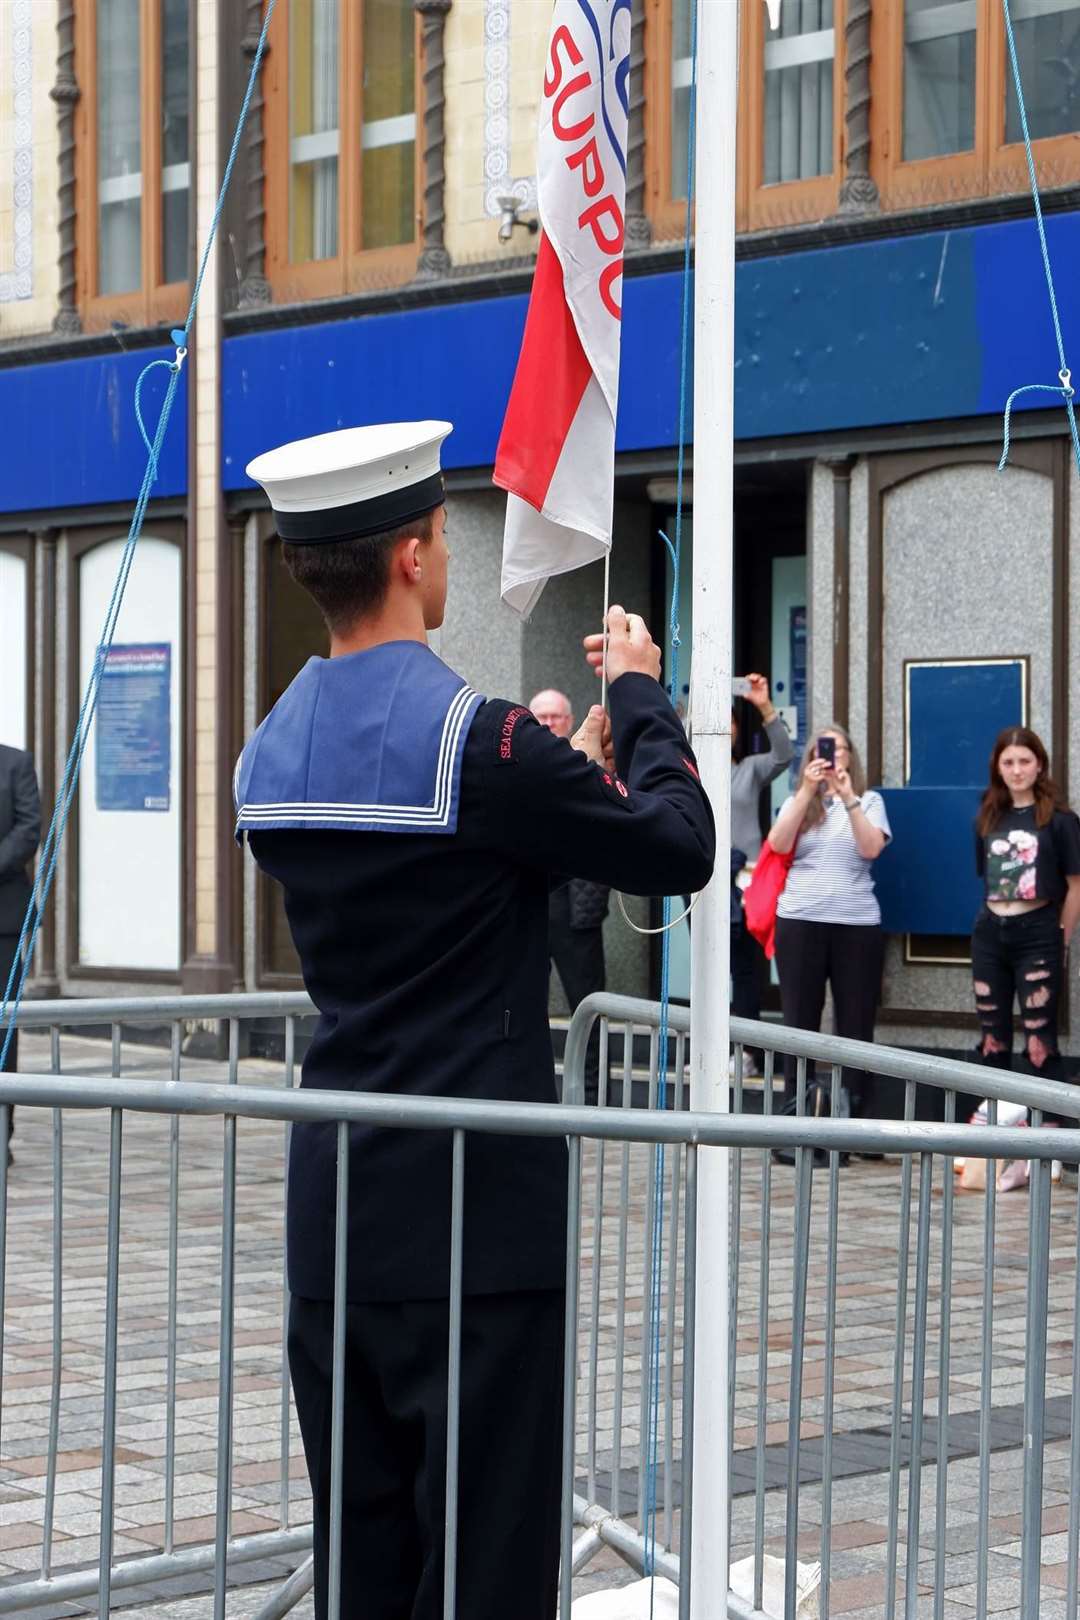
pixel 648 830
pixel 1070 911
pixel 1065 834
pixel 870 839
pixel 767 766
pixel 784 831
pixel 18 845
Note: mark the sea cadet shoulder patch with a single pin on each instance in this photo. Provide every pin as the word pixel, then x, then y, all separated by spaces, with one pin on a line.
pixel 615 788
pixel 504 736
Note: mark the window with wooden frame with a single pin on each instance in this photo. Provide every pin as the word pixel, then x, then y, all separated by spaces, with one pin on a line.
pixel 342 188
pixel 944 113
pixel 668 70
pixel 791 106
pixel 790 112
pixel 133 171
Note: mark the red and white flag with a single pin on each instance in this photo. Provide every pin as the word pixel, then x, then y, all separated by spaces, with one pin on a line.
pixel 556 455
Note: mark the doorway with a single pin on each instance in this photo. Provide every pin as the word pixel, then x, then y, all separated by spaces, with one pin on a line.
pixel 770 632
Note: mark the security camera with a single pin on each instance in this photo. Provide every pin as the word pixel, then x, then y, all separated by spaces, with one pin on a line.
pixel 508 218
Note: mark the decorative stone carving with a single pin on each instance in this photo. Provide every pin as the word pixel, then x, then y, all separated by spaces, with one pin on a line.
pixel 858 190
pixel 638 228
pixel 254 287
pixel 65 92
pixel 434 258
pixel 18 282
pixel 498 180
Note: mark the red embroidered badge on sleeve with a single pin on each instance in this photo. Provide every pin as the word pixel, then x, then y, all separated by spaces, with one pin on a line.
pixel 504 744
pixel 692 768
pixel 614 788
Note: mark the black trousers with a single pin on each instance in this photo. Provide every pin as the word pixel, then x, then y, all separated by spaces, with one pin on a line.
pixel 747 973
pixel 9 944
pixel 393 1507
pixel 578 955
pixel 848 959
pixel 1020 959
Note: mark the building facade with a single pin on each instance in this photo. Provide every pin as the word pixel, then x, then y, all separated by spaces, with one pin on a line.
pixel 374 261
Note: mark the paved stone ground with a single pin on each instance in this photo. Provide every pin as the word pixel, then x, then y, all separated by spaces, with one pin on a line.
pixel 862 1382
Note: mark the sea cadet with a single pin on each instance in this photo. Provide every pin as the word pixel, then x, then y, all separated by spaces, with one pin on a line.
pixel 416 828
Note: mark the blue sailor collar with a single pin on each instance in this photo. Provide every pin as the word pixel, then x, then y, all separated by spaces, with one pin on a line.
pixel 371 741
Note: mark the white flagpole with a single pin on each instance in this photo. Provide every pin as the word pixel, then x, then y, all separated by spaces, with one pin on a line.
pixel 714 359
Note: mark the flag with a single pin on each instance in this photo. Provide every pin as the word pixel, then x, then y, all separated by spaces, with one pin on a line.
pixel 556 455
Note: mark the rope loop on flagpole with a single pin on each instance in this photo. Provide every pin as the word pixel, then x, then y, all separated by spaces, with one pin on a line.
pixel 665 927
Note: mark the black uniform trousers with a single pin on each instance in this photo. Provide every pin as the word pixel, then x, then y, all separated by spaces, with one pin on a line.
pixel 578 955
pixel 848 957
pixel 393 1508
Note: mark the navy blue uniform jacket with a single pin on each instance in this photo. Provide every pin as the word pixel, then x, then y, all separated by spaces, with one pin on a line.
pixel 427 957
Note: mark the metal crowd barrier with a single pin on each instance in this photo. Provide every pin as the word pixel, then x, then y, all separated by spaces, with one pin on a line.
pixel 917 1442
pixel 605 1370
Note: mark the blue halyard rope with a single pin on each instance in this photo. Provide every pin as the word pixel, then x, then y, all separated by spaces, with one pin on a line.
pixel 1064 387
pixel 20 967
pixel 675 551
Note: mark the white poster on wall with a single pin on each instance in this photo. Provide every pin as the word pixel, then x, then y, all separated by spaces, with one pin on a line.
pixel 129 791
pixel 13 572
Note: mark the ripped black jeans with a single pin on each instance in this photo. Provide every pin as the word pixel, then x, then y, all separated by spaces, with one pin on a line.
pixel 1020 958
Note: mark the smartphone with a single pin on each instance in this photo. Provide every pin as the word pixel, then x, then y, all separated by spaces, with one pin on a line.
pixel 740 686
pixel 826 750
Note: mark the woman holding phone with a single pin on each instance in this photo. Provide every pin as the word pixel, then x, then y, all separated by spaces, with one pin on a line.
pixel 828 922
pixel 1027 852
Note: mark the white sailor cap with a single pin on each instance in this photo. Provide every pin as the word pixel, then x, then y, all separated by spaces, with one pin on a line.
pixel 362 480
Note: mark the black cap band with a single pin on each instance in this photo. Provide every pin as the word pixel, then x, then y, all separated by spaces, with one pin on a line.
pixel 373 516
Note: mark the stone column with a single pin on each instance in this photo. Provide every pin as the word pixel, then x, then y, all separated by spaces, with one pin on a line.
pixel 841 468
pixel 254 287
pixel 638 228
pixel 434 258
pixel 45 979
pixel 211 954
pixel 65 92
pixel 858 190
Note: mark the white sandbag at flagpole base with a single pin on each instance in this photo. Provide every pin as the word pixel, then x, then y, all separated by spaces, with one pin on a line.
pixel 637 1601
pixel 807 1586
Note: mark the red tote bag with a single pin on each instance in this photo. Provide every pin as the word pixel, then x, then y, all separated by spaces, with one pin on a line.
pixel 760 899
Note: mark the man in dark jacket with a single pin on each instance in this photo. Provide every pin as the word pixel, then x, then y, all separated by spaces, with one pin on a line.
pixel 415 828
pixel 577 910
pixel 20 834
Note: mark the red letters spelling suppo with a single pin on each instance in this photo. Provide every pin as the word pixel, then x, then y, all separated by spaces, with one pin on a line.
pixel 602 214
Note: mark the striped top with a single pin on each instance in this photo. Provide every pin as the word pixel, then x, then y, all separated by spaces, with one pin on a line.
pixel 829 880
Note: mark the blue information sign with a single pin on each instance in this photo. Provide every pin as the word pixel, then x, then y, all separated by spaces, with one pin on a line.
pixel 134 728
pixel 798 668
